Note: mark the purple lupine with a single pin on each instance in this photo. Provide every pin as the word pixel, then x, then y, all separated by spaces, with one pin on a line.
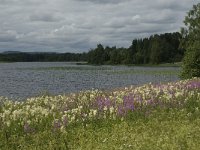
pixel 193 85
pixel 102 102
pixel 128 102
pixel 107 103
pixel 150 102
pixel 120 111
pixel 99 102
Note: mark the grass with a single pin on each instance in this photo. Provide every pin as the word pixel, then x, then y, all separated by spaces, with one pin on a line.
pixel 161 116
pixel 162 133
pixel 162 130
pixel 146 72
pixel 176 64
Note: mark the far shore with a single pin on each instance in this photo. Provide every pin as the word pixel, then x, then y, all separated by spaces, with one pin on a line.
pixel 176 64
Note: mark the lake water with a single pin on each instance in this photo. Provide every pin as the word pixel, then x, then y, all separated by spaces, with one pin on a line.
pixel 22 80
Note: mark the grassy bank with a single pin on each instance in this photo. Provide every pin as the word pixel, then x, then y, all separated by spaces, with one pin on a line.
pixel 176 64
pixel 160 116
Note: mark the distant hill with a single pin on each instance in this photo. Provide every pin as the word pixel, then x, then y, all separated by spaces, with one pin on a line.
pixel 18 52
pixel 17 56
pixel 11 52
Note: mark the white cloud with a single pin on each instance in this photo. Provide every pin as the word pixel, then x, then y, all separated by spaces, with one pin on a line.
pixel 78 25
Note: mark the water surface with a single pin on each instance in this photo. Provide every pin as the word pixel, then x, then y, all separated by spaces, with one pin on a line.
pixel 22 80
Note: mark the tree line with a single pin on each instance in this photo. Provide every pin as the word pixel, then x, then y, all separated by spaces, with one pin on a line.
pixel 42 57
pixel 163 48
pixel 156 49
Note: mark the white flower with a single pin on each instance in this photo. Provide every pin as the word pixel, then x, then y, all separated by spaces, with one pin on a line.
pixel 105 108
pixel 197 109
pixel 94 112
pixel 72 118
pixel 62 129
pixel 8 123
pixel 90 114
pixel 29 121
pixel 112 109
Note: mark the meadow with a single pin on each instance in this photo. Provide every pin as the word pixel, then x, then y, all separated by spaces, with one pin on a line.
pixel 151 116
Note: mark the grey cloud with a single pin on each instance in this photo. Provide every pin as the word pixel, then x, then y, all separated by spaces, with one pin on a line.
pixel 183 5
pixel 78 25
pixel 46 17
pixel 21 2
pixel 104 1
pixel 7 36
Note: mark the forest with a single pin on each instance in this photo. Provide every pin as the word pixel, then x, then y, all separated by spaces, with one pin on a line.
pixel 163 48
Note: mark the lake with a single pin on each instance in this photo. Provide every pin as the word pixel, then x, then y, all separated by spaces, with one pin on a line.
pixel 27 79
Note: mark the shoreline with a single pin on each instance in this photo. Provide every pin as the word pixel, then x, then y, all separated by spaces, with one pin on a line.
pixel 176 64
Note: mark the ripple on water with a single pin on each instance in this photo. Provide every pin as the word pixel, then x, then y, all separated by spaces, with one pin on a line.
pixel 22 80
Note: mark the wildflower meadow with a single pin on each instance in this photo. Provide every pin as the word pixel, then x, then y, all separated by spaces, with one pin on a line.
pixel 151 116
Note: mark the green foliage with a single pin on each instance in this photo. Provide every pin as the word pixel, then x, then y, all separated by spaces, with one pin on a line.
pixel 97 56
pixel 157 49
pixel 191 41
pixel 191 63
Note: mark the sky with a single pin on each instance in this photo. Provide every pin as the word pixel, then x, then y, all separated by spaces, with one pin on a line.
pixel 79 25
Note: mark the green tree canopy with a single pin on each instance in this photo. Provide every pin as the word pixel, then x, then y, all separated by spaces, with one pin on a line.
pixel 191 34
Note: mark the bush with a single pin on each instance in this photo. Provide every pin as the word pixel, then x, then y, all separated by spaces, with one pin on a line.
pixel 191 63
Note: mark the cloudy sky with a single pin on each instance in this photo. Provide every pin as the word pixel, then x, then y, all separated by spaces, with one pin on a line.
pixel 78 25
